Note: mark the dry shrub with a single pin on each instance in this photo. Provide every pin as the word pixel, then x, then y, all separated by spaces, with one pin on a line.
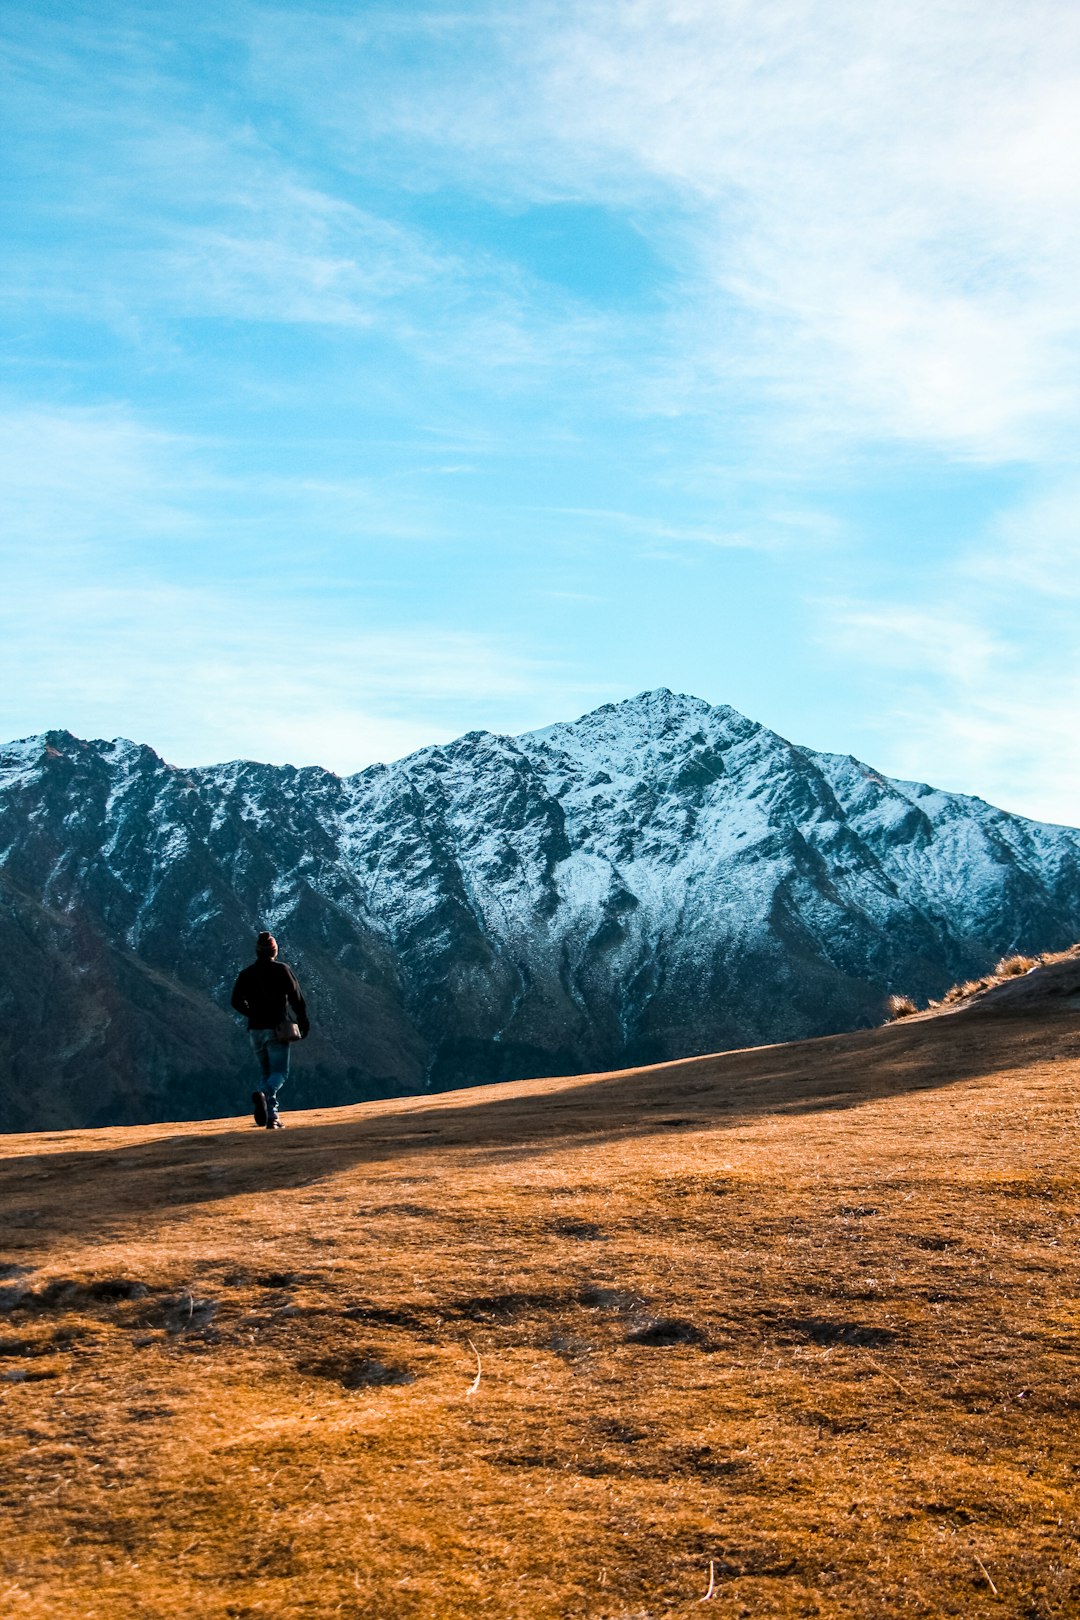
pixel 972 987
pixel 1011 967
pixel 1048 958
pixel 899 1007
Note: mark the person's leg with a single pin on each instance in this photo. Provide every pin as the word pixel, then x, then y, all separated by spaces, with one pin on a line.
pixel 260 1039
pixel 260 1043
pixel 278 1060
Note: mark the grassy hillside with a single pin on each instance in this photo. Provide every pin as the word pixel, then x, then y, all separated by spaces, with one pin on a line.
pixel 796 1326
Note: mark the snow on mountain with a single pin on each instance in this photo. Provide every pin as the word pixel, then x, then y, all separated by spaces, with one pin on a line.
pixel 658 878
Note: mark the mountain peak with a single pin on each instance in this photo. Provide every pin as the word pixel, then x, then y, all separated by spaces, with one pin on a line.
pixel 656 701
pixel 636 736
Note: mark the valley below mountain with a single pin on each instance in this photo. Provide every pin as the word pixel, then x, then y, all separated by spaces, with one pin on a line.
pixel 660 878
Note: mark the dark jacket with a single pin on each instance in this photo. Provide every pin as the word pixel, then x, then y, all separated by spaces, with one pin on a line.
pixel 261 991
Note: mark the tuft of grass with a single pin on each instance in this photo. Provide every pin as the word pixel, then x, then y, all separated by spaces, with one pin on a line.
pixel 899 1007
pixel 970 987
pixel 1011 967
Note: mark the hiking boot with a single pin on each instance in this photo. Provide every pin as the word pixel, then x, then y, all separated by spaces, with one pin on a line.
pixel 258 1103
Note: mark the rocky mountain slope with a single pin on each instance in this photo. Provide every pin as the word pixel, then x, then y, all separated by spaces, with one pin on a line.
pixel 659 878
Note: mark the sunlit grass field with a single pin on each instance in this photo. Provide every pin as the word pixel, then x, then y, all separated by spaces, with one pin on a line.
pixel 791 1331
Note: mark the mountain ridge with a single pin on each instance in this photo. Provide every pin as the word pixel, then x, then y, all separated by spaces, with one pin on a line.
pixel 660 877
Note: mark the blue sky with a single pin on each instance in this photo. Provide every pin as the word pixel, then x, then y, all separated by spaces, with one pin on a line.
pixel 375 373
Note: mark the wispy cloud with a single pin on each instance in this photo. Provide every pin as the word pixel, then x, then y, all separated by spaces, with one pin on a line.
pixel 1032 548
pixel 955 691
pixel 168 211
pixel 205 675
pixel 770 530
pixel 651 529
pixel 147 592
pixel 890 195
pixel 938 640
pixel 97 485
pixel 970 667
pixel 874 212
pixel 70 476
pixel 871 218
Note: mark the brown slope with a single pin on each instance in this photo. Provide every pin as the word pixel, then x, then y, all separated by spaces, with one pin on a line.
pixel 804 1315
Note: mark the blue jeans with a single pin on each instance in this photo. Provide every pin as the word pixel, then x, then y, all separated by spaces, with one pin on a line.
pixel 273 1059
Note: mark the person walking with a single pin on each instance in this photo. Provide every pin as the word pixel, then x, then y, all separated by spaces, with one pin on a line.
pixel 263 992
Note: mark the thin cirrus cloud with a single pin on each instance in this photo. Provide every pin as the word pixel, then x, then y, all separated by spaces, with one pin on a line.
pixel 874 210
pixel 302 686
pixel 213 226
pixel 957 701
pixel 1033 547
pixel 193 217
pixel 119 538
pixel 874 213
pixel 93 483
pixel 70 477
pixel 969 672
pixel 773 530
pixel 890 194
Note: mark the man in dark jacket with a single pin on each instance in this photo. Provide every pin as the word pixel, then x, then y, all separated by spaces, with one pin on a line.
pixel 261 993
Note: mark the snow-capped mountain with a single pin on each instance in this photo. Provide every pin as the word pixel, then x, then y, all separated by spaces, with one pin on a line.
pixel 658 878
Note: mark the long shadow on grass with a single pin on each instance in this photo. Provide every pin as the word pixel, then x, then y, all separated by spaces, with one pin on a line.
pixel 47 1194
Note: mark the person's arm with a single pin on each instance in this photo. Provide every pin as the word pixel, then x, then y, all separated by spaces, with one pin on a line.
pixel 298 1005
pixel 239 1000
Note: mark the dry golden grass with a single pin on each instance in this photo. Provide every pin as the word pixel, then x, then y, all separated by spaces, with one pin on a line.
pixel 899 1007
pixel 1011 967
pixel 965 991
pixel 800 1324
